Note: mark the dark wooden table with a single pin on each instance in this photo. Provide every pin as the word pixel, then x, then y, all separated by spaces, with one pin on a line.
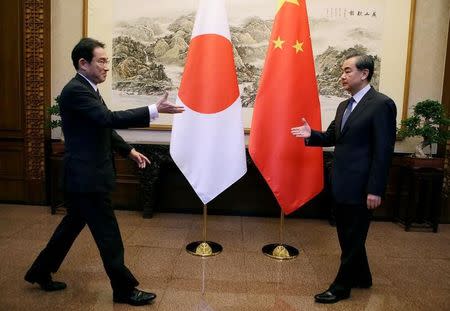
pixel 420 182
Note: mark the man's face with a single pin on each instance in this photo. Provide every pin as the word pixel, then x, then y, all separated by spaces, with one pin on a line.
pixel 352 78
pixel 97 69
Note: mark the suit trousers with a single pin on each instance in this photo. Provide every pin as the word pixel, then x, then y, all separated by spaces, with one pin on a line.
pixel 95 210
pixel 352 224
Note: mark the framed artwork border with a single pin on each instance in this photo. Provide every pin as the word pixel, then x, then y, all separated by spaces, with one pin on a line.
pixel 89 12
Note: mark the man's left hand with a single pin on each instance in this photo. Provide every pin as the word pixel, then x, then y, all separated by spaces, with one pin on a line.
pixel 373 201
pixel 139 158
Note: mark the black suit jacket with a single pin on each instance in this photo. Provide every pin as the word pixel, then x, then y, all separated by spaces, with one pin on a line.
pixel 90 139
pixel 363 149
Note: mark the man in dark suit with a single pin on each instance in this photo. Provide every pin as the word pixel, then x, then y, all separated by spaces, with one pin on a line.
pixel 363 133
pixel 89 174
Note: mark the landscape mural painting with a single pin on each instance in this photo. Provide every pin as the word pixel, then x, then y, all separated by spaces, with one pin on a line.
pixel 150 41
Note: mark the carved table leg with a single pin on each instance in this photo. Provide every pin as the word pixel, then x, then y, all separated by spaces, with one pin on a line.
pixel 149 177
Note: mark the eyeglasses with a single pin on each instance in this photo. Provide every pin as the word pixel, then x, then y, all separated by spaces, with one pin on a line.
pixel 103 62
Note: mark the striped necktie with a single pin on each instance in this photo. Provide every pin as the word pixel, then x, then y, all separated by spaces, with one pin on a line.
pixel 347 111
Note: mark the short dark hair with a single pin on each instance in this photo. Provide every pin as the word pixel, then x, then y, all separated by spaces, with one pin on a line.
pixel 363 61
pixel 85 49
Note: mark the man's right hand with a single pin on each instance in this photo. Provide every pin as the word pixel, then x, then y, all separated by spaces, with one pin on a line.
pixel 302 131
pixel 164 106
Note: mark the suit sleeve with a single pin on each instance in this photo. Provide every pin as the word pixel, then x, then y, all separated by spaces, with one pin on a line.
pixel 383 135
pixel 322 139
pixel 119 145
pixel 79 100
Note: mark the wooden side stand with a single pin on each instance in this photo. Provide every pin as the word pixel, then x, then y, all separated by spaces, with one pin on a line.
pixel 422 180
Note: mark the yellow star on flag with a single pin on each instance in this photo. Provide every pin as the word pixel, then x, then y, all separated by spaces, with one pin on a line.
pixel 281 2
pixel 298 46
pixel 278 43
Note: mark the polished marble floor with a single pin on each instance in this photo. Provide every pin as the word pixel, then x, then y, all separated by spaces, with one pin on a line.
pixel 411 270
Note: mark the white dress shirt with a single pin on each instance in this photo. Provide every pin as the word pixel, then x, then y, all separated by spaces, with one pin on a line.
pixel 359 95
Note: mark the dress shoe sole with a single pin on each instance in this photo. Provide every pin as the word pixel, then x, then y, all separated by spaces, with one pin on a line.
pixel 54 287
pixel 134 303
pixel 48 288
pixel 330 301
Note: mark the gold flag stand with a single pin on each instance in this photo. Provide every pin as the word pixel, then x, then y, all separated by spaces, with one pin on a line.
pixel 204 248
pixel 280 251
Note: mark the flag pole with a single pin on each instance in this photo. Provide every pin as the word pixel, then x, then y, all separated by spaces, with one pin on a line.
pixel 280 250
pixel 204 248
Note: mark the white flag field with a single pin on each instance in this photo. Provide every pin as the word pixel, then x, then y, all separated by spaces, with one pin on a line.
pixel 207 142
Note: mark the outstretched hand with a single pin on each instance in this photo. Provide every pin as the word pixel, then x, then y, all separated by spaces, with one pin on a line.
pixel 139 158
pixel 164 106
pixel 302 131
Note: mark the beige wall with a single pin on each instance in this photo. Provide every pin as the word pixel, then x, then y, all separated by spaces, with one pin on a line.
pixel 429 50
pixel 67 25
pixel 428 57
pixel 427 68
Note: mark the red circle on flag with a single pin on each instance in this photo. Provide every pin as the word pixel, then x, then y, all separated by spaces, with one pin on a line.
pixel 209 83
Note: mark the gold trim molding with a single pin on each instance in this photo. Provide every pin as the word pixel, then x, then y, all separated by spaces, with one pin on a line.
pixel 412 19
pixel 85 17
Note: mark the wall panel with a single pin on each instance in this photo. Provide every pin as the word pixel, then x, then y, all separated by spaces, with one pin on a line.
pixel 10 69
pixel 24 96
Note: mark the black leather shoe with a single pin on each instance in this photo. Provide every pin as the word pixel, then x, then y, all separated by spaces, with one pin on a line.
pixel 46 283
pixel 331 296
pixel 51 286
pixel 135 298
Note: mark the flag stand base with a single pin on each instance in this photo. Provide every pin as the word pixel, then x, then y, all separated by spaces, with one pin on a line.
pixel 204 248
pixel 280 251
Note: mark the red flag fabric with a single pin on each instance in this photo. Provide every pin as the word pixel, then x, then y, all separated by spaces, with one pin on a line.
pixel 287 92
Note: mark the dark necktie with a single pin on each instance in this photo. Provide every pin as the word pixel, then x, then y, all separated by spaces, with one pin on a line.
pixel 100 96
pixel 347 112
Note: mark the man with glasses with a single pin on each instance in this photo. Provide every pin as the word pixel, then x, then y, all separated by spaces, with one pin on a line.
pixel 89 174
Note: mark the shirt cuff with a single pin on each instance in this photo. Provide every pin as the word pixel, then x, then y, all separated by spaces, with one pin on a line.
pixel 153 112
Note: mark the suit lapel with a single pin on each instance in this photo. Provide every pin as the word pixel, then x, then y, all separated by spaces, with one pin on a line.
pixel 360 107
pixel 88 86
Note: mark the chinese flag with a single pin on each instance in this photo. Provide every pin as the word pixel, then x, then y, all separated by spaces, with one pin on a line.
pixel 287 92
